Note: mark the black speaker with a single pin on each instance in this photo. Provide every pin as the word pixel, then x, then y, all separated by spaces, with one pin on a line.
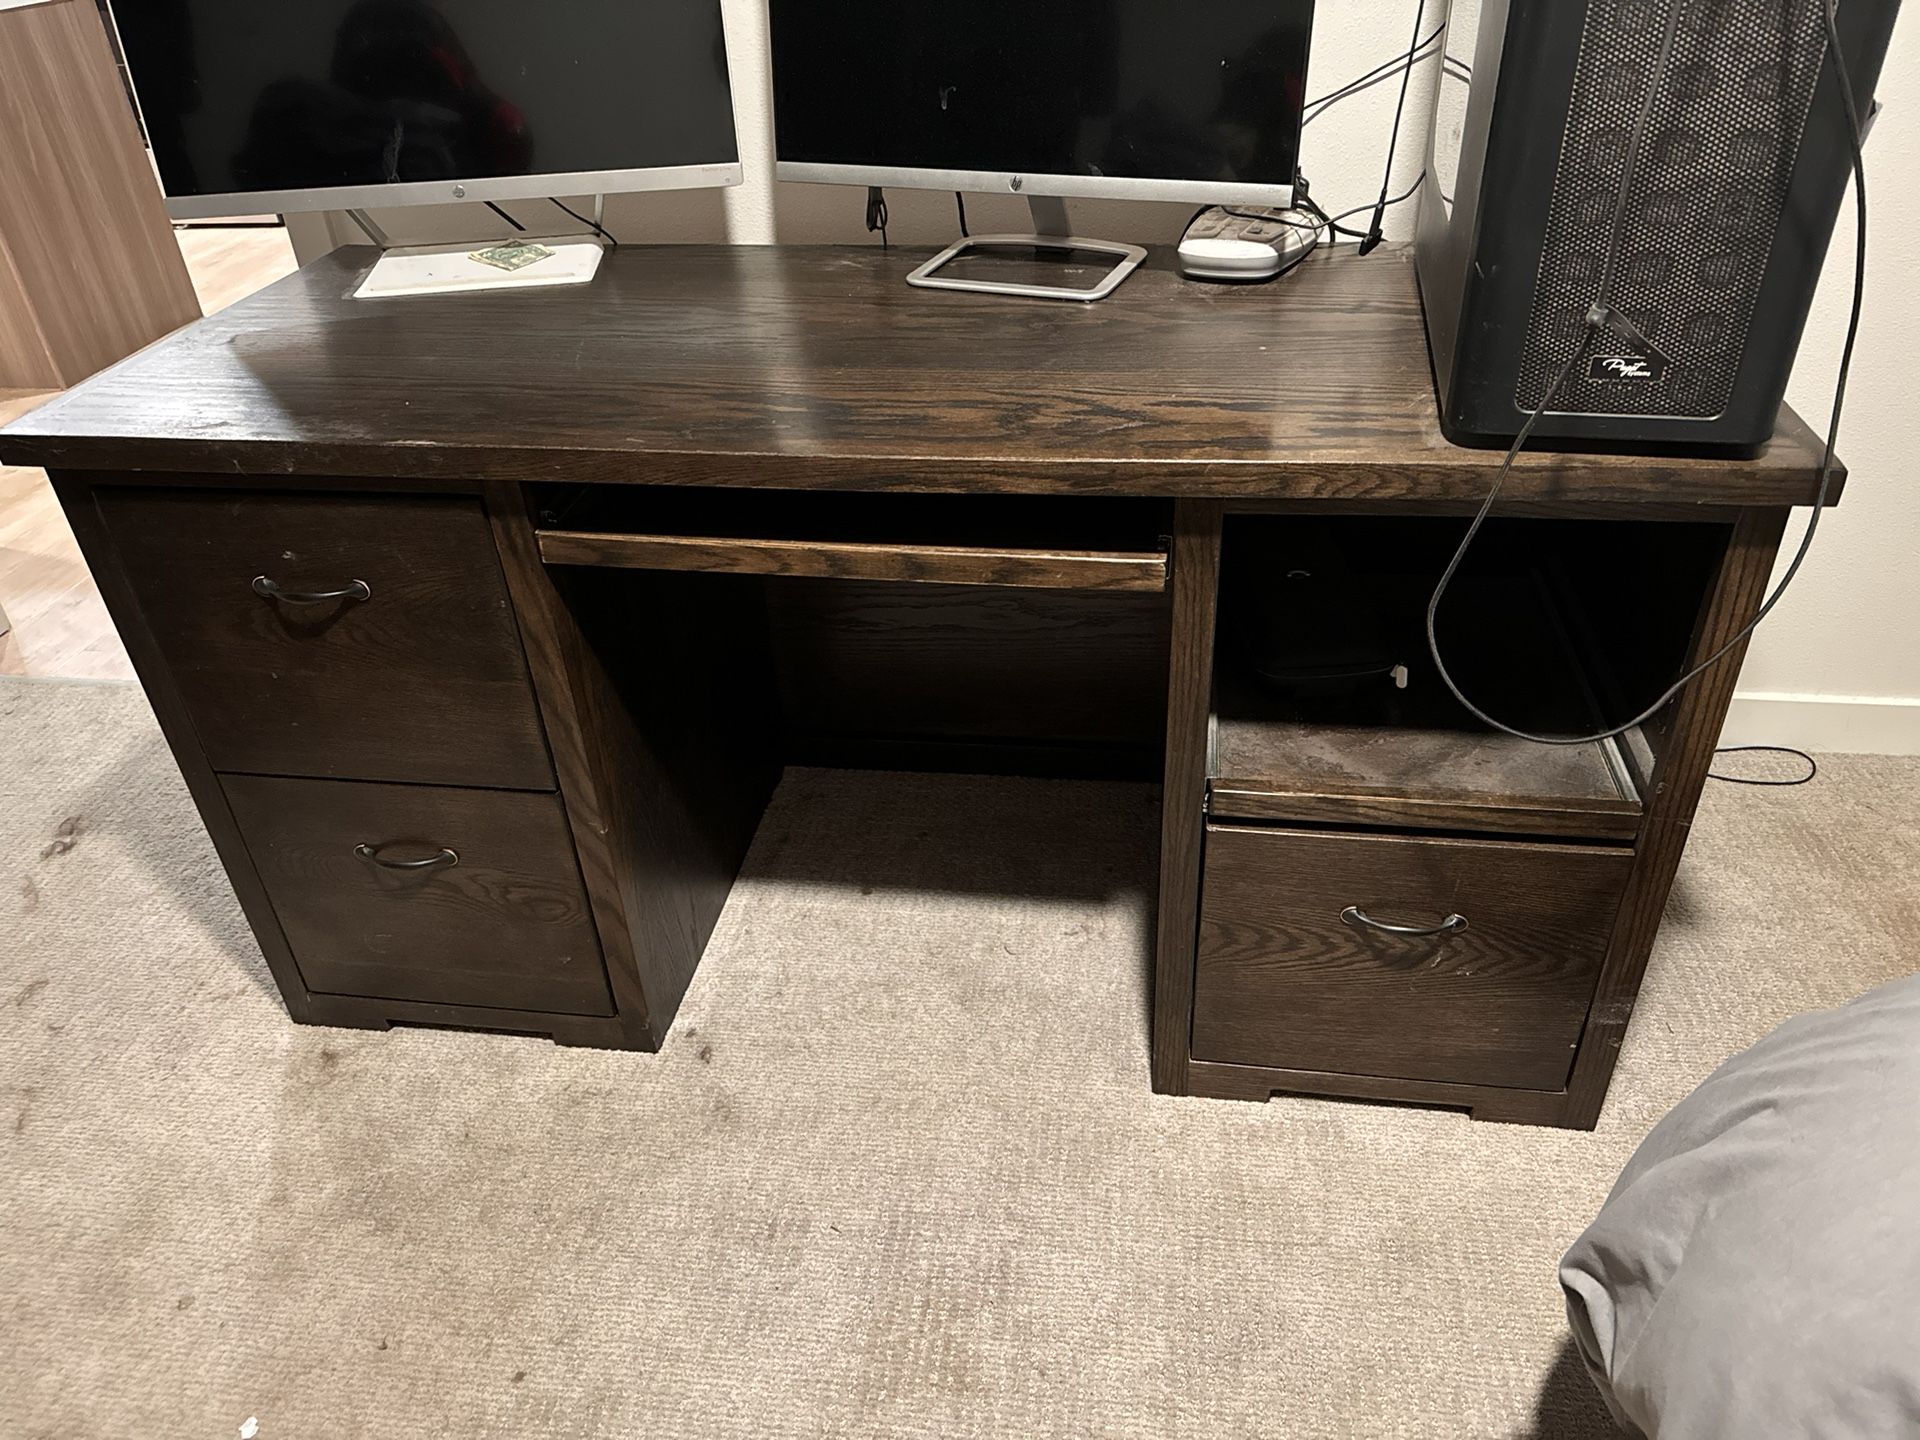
pixel 1732 191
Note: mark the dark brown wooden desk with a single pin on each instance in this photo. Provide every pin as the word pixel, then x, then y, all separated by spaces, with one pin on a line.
pixel 482 626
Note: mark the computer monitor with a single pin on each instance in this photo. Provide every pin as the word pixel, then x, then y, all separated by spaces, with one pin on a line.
pixel 1189 100
pixel 261 106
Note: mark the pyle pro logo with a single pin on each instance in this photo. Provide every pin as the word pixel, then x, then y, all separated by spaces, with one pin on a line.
pixel 1643 368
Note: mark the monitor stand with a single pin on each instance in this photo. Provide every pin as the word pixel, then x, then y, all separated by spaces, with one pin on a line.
pixel 1051 233
pixel 449 269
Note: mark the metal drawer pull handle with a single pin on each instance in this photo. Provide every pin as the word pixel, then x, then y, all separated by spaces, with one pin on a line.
pixel 1357 917
pixel 432 862
pixel 267 590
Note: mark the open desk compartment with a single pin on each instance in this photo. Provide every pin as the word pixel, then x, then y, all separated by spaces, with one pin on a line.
pixel 1329 709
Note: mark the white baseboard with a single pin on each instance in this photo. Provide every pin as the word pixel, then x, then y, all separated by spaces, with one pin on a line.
pixel 1845 724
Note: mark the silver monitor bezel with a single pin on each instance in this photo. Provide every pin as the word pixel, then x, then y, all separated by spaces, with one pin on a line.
pixel 1066 187
pixel 455 192
pixel 718 175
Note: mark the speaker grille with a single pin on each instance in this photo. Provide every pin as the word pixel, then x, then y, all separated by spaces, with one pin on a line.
pixel 1708 195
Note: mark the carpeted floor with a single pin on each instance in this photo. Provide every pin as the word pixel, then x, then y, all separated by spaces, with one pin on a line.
pixel 897 1173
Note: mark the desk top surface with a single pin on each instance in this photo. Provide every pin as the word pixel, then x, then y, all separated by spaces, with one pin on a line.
pixel 821 368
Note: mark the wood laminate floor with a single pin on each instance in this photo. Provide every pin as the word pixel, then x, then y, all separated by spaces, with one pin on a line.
pixel 58 625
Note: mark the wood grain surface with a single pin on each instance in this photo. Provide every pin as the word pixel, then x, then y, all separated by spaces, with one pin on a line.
pixel 858 560
pixel 423 681
pixel 980 666
pixel 1282 980
pixel 651 685
pixel 89 271
pixel 1692 730
pixel 822 369
pixel 507 925
pixel 1183 787
pixel 1398 808
pixel 1220 1081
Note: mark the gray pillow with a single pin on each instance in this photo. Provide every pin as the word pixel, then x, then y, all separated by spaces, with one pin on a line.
pixel 1756 1270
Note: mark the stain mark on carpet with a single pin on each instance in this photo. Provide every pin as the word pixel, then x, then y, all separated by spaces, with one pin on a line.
pixel 329 1063
pixel 704 1054
pixel 33 988
pixel 185 1302
pixel 24 1096
pixel 29 893
pixel 518 1376
pixel 65 836
pixel 383 1343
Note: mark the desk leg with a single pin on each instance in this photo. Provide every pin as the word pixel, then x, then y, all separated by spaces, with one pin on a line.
pixel 1196 598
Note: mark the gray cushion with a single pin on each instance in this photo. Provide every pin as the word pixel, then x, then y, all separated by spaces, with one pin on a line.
pixel 1756 1270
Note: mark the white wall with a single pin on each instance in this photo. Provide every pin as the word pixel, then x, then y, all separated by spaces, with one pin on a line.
pixel 1836 667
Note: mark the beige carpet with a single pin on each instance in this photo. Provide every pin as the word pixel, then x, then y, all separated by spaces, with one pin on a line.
pixel 897 1173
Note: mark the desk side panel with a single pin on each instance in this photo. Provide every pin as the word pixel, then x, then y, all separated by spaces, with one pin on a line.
pixel 1196 602
pixel 76 494
pixel 665 763
pixel 1693 731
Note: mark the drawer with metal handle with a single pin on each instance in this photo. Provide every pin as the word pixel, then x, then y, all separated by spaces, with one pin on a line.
pixel 363 637
pixel 425 893
pixel 1464 961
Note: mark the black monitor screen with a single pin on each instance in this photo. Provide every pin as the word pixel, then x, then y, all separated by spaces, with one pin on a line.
pixel 1196 90
pixel 266 95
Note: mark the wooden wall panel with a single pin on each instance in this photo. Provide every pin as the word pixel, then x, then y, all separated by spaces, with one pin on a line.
pixel 89 270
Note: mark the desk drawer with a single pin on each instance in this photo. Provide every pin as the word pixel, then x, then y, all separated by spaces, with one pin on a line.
pixel 420 679
pixel 1288 976
pixel 495 916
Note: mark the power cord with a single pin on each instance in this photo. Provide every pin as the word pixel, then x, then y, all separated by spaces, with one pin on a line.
pixel 611 242
pixel 1600 316
pixel 1380 74
pixel 1332 222
pixel 1375 231
pixel 960 204
pixel 1813 766
pixel 877 214
pixel 592 225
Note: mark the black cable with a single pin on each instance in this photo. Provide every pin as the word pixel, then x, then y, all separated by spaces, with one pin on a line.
pixel 592 225
pixel 1385 70
pixel 1298 260
pixel 960 204
pixel 1600 316
pixel 1333 221
pixel 1374 233
pixel 877 213
pixel 1277 217
pixel 1382 68
pixel 1336 230
pixel 503 215
pixel 1307 119
pixel 1813 766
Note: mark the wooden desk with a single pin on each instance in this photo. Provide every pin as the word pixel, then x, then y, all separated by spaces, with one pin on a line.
pixel 610 557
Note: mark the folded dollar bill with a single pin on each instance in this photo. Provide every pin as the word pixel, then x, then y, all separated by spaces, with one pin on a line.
pixel 516 256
